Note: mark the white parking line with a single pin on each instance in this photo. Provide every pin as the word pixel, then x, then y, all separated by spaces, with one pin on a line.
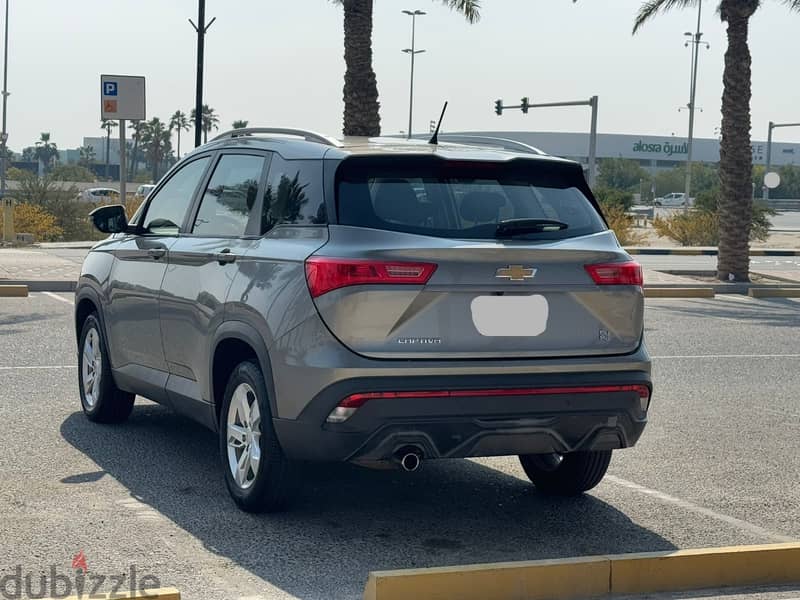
pixel 57 297
pixel 701 510
pixel 669 356
pixel 39 367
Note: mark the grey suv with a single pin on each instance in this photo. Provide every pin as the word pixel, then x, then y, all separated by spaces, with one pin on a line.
pixel 375 301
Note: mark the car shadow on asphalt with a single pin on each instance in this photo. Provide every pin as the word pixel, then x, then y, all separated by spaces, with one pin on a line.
pixel 775 312
pixel 19 319
pixel 348 520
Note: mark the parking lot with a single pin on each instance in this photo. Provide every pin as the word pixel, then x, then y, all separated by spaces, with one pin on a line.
pixel 718 465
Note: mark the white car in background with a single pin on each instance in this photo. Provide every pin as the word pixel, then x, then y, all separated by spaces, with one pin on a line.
pixel 675 199
pixel 97 195
pixel 143 191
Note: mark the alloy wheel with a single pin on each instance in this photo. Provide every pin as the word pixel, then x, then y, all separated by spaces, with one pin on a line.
pixel 91 367
pixel 244 435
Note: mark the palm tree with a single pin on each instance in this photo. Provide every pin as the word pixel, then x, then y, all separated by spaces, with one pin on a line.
pixel 108 126
pixel 239 124
pixel 156 142
pixel 361 106
pixel 45 151
pixel 136 136
pixel 735 157
pixel 87 156
pixel 179 122
pixel 210 121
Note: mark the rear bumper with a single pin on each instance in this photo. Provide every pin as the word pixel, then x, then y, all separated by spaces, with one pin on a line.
pixel 471 425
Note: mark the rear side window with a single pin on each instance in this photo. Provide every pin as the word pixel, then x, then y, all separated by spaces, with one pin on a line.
pixel 293 194
pixel 464 200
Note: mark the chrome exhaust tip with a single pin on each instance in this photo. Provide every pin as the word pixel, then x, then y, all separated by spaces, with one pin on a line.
pixel 410 459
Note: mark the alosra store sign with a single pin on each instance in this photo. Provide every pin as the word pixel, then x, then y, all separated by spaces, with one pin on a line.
pixel 682 149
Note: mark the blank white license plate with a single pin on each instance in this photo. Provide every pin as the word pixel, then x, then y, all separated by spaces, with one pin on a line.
pixel 510 316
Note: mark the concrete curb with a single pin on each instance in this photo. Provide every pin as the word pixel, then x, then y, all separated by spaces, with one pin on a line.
pixel 569 578
pixel 154 594
pixel 705 251
pixel 13 291
pixel 774 292
pixel 657 291
pixel 43 285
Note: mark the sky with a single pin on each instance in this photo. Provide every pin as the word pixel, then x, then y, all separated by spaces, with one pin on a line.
pixel 280 63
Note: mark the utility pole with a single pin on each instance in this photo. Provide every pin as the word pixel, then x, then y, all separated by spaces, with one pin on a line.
pixel 772 126
pixel 592 102
pixel 695 42
pixel 8 221
pixel 413 52
pixel 123 192
pixel 201 28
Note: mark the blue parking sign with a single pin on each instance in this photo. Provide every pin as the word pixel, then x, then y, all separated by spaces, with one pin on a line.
pixel 109 88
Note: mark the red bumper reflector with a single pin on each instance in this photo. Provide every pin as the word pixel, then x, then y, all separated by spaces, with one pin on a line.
pixel 358 400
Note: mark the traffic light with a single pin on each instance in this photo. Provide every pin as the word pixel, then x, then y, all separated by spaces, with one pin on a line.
pixel 526 104
pixel 498 107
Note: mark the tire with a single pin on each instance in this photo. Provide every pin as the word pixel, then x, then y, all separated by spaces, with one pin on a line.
pixel 101 399
pixel 566 475
pixel 266 485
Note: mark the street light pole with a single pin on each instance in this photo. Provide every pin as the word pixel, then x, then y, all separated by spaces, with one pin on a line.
pixel 8 225
pixel 201 28
pixel 413 52
pixel 696 41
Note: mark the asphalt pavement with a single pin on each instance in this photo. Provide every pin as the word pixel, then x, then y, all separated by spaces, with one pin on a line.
pixel 718 465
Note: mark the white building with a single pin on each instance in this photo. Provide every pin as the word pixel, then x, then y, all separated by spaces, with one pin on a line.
pixel 99 146
pixel 652 152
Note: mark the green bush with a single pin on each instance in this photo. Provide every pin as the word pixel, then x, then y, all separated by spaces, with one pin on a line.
pixel 760 223
pixel 608 197
pixel 72 173
pixel 696 228
pixel 621 224
pixel 16 174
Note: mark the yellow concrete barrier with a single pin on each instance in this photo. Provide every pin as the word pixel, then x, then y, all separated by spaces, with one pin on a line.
pixel 678 292
pixel 770 564
pixel 535 580
pixel 154 594
pixel 13 291
pixel 570 578
pixel 774 292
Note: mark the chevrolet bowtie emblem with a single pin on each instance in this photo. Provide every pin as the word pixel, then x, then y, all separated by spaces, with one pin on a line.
pixel 515 273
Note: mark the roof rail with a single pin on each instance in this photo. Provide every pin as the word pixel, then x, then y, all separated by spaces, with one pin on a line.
pixel 505 143
pixel 309 136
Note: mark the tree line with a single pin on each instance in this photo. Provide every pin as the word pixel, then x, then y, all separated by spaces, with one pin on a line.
pixel 149 145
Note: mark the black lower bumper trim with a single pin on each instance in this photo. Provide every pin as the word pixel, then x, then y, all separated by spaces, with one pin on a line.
pixel 469 427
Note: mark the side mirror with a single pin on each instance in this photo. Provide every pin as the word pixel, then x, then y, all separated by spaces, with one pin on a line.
pixel 110 219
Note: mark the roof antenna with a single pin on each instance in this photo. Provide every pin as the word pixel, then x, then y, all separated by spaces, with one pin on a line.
pixel 435 139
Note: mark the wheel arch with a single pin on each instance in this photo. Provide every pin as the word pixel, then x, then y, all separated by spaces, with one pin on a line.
pixel 234 342
pixel 87 301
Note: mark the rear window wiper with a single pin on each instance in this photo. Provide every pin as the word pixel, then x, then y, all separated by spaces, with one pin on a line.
pixel 512 227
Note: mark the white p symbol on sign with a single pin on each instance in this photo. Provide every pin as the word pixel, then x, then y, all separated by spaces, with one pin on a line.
pixel 110 88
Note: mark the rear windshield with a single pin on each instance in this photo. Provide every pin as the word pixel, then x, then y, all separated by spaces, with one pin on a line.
pixel 464 200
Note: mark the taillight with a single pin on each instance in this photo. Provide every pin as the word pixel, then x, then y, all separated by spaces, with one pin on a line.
pixel 621 273
pixel 326 274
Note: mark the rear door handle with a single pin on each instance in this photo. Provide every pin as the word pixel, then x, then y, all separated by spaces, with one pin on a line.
pixel 156 253
pixel 225 257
